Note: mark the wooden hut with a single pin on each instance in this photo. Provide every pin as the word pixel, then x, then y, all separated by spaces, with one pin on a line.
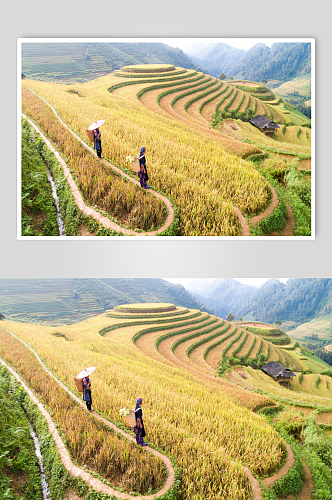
pixel 264 124
pixel 2 317
pixel 23 76
pixel 279 373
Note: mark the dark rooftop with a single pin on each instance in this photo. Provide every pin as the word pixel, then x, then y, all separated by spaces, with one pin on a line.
pixel 263 122
pixel 273 368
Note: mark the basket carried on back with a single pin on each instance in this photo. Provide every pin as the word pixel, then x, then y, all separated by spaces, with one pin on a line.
pixel 79 384
pixel 131 420
pixel 90 135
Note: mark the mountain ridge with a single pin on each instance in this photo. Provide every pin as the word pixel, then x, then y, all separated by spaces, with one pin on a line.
pixel 70 300
pixel 299 300
pixel 85 61
pixel 282 61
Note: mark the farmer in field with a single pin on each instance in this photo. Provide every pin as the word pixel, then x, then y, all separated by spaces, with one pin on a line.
pixel 87 392
pixel 97 141
pixel 143 174
pixel 139 427
pixel 95 135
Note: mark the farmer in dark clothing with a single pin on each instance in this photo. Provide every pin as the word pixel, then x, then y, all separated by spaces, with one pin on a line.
pixel 87 392
pixel 143 174
pixel 139 428
pixel 97 141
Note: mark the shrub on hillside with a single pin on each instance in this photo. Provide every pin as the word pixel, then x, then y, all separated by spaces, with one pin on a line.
pixel 290 421
pixel 320 444
pixel 299 185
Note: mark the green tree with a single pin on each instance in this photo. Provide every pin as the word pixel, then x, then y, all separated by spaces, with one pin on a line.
pixel 222 76
pixel 230 317
pixel 264 81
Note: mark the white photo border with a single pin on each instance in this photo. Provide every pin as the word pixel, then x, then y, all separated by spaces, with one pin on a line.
pixel 21 41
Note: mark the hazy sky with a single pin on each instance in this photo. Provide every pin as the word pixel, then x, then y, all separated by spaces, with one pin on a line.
pixel 248 281
pixel 240 43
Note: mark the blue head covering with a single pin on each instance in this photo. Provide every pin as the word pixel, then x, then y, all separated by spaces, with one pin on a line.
pixel 138 402
pixel 142 150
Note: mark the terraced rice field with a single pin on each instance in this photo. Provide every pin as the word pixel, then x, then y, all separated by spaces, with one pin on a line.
pixel 306 395
pixel 295 135
pixel 130 128
pixel 197 340
pixel 170 356
pixel 319 385
pixel 251 132
pixel 249 344
pixel 228 430
pixel 170 110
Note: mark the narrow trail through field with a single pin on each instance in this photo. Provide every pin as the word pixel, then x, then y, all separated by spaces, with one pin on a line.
pixel 99 486
pixel 70 466
pixel 85 209
pixel 290 461
pixel 308 487
pixel 288 230
pixel 290 224
pixel 92 481
pixel 200 370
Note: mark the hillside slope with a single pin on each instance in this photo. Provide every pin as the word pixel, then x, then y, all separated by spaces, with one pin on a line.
pixel 66 301
pixel 197 117
pixel 220 447
pixel 81 62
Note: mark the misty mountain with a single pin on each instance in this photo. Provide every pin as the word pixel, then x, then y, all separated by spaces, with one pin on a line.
pixel 196 285
pixel 218 58
pixel 299 300
pixel 281 61
pixel 225 295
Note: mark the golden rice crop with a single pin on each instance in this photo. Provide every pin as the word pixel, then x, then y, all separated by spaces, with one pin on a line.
pixel 193 420
pixel 89 441
pixel 250 339
pixel 229 144
pixel 191 167
pixel 100 186
pixel 144 68
pixel 253 133
pixel 260 380
pixel 292 135
pixel 245 104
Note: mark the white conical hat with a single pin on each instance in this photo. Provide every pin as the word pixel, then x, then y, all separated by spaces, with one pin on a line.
pixel 96 124
pixel 86 372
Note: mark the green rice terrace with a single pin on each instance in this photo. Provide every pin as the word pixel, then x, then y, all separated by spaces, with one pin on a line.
pixel 258 182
